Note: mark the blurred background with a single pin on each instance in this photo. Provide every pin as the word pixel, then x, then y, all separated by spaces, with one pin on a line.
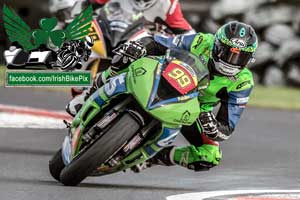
pixel 277 22
pixel 262 154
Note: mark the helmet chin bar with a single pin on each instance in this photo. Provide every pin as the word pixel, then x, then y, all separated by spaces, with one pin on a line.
pixel 226 69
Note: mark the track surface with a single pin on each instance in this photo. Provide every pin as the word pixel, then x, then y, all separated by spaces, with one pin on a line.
pixel 262 154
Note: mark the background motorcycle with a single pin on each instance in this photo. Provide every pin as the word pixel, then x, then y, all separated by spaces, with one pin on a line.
pixel 112 26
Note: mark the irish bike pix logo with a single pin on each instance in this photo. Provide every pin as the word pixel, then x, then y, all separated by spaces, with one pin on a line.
pixel 57 54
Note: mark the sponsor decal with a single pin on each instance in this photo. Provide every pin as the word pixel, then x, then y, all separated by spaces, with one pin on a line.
pixel 199 41
pixel 139 71
pixel 243 84
pixel 243 32
pixel 177 40
pixel 242 100
pixel 115 85
pixel 240 43
pixel 185 116
pixel 183 98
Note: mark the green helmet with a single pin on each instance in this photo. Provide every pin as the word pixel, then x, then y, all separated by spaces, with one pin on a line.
pixel 234 48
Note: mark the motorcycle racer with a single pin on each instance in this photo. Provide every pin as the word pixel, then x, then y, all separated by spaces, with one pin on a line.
pixel 227 55
pixel 167 12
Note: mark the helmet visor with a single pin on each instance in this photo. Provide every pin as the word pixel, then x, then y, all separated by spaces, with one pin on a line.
pixel 231 55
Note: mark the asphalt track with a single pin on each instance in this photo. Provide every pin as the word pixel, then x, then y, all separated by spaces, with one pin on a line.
pixel 264 153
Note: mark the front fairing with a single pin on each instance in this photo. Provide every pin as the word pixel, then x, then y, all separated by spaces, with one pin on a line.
pixel 143 81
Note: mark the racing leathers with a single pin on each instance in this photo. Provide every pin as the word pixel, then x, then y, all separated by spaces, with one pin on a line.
pixel 232 93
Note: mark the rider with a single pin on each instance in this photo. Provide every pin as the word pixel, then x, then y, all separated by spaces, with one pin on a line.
pixel 167 12
pixel 226 54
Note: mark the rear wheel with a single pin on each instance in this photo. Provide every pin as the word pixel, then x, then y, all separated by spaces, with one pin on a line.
pixel 83 165
pixel 56 165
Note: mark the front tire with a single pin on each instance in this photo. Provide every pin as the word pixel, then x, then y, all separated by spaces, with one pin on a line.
pixel 56 165
pixel 83 165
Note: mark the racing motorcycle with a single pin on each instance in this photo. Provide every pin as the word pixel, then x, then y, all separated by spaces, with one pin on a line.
pixel 131 117
pixel 111 26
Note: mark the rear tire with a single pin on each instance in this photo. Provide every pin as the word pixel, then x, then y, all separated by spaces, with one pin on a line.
pixel 83 165
pixel 56 165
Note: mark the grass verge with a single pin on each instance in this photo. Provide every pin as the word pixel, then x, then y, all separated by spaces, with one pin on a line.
pixel 2 75
pixel 275 97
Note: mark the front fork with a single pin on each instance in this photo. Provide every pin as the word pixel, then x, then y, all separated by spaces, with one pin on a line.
pixel 73 140
pixel 163 139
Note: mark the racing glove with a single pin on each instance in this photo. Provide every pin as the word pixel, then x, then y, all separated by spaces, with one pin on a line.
pixel 212 128
pixel 127 53
pixel 209 124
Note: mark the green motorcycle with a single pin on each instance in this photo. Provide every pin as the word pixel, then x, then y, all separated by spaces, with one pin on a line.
pixel 132 117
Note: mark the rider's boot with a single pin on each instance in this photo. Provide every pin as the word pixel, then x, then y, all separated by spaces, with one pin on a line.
pixel 200 158
pixel 163 158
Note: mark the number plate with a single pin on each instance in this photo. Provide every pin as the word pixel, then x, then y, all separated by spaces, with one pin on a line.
pixel 179 77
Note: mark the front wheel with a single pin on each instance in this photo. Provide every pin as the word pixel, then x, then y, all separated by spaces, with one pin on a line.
pixel 83 165
pixel 56 165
